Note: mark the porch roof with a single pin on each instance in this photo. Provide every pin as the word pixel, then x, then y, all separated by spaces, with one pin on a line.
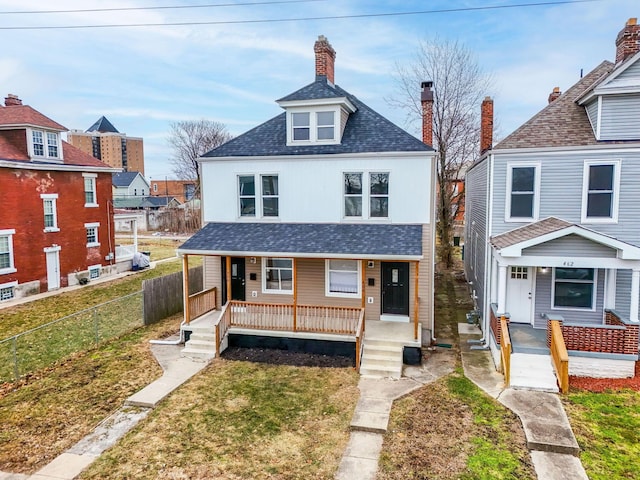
pixel 511 244
pixel 310 240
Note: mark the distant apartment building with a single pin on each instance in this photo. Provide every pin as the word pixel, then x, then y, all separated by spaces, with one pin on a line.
pixel 106 143
pixel 182 190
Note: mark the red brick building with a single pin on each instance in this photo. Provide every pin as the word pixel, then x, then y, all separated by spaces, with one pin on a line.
pixel 56 222
pixel 181 190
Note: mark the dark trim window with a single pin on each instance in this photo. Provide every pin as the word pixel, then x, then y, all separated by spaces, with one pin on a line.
pixel 574 288
pixel 269 195
pixel 600 191
pixel 353 194
pixel 301 126
pixel 522 192
pixel 379 195
pixel 247 193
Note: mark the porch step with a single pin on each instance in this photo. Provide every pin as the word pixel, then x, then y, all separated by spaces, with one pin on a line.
pixel 203 336
pixel 533 372
pixel 198 353
pixel 381 359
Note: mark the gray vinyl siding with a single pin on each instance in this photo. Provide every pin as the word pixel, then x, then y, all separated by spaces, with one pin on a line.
pixel 620 118
pixel 631 73
pixel 570 246
pixel 543 303
pixel 623 290
pixel 476 224
pixel 592 112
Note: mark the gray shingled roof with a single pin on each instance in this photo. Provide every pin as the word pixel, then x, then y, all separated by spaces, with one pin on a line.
pixel 529 232
pixel 356 240
pixel 123 179
pixel 561 123
pixel 102 125
pixel 366 131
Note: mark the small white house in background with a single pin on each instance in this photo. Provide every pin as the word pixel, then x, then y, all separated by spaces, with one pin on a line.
pixel 319 222
pixel 130 184
pixel 552 212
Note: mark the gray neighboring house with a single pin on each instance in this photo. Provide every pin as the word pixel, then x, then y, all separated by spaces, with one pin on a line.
pixel 130 184
pixel 318 222
pixel 552 212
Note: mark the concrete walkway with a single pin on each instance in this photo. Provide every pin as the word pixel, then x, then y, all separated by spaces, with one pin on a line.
pixel 176 371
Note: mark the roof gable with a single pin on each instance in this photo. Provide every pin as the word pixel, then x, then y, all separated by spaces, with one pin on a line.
pixel 124 179
pixel 26 116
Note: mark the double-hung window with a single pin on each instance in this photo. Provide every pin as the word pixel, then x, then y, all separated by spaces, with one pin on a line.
pixel 522 192
pixel 379 195
pixel 92 234
pixel 269 195
pixel 37 137
pixel 342 278
pixel 325 124
pixel 277 275
pixel 50 212
pixel 574 288
pixel 301 126
pixel 353 194
pixel 45 144
pixel 6 251
pixel 52 145
pixel 247 193
pixel 601 184
pixel 90 198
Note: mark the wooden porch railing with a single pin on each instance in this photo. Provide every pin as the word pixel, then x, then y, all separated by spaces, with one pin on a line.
pixel 505 350
pixel 222 326
pixel 559 355
pixel 202 302
pixel 359 339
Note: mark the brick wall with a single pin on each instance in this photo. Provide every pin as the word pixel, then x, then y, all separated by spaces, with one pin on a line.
pixel 22 210
pixel 494 322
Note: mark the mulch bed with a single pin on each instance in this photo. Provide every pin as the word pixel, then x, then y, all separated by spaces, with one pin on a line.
pixel 286 357
pixel 598 385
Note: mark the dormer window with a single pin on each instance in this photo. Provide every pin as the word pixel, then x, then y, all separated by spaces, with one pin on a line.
pixel 326 123
pixel 45 144
pixel 301 126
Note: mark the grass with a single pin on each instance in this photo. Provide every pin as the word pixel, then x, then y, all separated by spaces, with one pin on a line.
pixel 607 427
pixel 239 420
pixel 159 247
pixel 47 412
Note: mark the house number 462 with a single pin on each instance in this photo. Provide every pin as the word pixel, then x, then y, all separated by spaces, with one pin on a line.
pixel 567 264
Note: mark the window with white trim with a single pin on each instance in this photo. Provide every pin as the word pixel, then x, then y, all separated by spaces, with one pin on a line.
pixel 247 195
pixel 92 234
pixel 277 275
pixel 6 252
pixel 343 278
pixel 325 124
pixel 301 126
pixel 523 186
pixel 600 189
pixel 317 124
pixel 353 194
pixel 45 144
pixel 155 188
pixel 379 195
pixel 90 198
pixel 7 291
pixel 269 195
pixel 50 212
pixel 574 288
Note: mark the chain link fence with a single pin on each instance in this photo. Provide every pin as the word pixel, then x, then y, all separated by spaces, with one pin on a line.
pixel 40 347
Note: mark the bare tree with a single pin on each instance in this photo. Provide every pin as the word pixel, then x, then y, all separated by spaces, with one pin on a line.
pixel 459 86
pixel 192 139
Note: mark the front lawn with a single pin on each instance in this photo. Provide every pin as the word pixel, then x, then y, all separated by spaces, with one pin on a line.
pixel 240 420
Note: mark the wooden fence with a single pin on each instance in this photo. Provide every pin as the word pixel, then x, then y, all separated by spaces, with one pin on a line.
pixel 163 296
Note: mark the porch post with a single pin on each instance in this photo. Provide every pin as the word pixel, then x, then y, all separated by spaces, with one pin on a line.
pixel 185 288
pixel 363 266
pixel 494 280
pixel 610 288
pixel 134 227
pixel 295 294
pixel 416 301
pixel 635 290
pixel 228 278
pixel 502 288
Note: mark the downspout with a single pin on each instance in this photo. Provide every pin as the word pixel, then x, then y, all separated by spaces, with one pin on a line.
pixel 171 342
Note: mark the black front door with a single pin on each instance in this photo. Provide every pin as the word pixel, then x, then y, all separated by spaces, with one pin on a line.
pixel 237 279
pixel 395 288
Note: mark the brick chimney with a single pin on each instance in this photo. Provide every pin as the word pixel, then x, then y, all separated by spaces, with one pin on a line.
pixel 486 125
pixel 628 41
pixel 426 99
pixel 11 100
pixel 325 58
pixel 554 94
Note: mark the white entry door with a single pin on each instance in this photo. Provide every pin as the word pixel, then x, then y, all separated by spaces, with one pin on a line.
pixel 520 294
pixel 53 269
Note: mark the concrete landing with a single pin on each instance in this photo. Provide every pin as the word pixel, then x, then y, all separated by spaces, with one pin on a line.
pixel 533 372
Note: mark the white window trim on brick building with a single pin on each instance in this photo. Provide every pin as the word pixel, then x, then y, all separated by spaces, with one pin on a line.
pixel 91 178
pixel 94 225
pixel 52 199
pixel 50 145
pixel 11 268
pixel 8 290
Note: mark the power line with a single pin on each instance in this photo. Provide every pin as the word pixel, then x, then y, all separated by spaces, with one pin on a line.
pixel 167 7
pixel 301 19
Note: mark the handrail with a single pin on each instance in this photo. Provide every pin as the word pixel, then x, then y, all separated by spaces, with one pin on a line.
pixel 359 339
pixel 222 325
pixel 559 355
pixel 505 350
pixel 202 302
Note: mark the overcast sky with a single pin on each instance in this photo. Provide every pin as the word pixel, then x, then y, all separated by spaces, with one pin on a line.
pixel 144 78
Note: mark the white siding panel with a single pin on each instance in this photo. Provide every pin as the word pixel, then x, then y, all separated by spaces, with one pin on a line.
pixel 311 190
pixel 592 113
pixel 620 117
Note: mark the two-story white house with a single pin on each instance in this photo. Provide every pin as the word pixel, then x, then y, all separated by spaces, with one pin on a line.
pixel 552 220
pixel 318 225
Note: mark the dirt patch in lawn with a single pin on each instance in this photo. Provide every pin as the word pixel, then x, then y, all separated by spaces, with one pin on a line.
pixel 599 385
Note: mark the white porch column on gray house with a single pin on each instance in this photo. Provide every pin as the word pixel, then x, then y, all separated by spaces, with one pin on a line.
pixel 134 227
pixel 610 288
pixel 502 288
pixel 635 291
pixel 494 281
